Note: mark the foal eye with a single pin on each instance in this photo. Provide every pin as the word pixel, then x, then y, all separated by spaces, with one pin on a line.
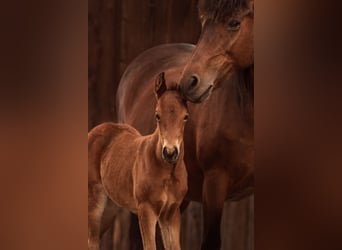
pixel 186 117
pixel 157 117
pixel 234 24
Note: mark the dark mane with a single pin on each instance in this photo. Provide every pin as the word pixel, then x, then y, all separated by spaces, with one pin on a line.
pixel 221 9
pixel 244 90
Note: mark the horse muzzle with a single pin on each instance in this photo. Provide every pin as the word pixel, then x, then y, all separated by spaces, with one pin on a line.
pixel 192 91
pixel 170 155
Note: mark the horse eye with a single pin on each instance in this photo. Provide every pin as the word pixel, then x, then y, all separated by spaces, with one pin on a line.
pixel 234 24
pixel 186 117
pixel 157 117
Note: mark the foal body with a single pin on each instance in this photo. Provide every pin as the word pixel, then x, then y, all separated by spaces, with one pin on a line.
pixel 145 174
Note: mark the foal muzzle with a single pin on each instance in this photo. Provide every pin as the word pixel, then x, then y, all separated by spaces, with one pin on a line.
pixel 170 155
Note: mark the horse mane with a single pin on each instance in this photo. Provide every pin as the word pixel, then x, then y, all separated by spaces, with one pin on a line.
pixel 243 86
pixel 219 10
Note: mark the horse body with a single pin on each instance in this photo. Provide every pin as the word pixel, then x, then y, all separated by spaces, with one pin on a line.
pixel 145 174
pixel 219 144
pixel 120 142
pixel 218 139
pixel 139 81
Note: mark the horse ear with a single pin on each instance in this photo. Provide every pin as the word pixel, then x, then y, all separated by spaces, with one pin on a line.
pixel 160 85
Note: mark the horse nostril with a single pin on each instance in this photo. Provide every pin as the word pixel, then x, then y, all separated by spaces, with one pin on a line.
pixel 170 155
pixel 164 152
pixel 175 153
pixel 193 81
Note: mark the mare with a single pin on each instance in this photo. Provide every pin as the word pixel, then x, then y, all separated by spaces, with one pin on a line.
pixel 145 174
pixel 216 76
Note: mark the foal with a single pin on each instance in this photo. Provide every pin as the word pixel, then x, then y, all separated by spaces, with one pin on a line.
pixel 145 174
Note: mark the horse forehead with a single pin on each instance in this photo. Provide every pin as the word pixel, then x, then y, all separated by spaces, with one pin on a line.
pixel 171 103
pixel 171 107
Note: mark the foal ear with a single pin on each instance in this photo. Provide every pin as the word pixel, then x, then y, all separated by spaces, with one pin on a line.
pixel 160 85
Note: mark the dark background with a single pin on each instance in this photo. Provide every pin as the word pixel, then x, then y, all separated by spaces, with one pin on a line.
pixel 44 122
pixel 118 31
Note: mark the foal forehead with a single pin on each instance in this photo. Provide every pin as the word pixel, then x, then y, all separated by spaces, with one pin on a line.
pixel 171 101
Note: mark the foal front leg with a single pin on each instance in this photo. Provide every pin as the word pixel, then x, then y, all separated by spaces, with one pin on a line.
pixel 147 223
pixel 170 223
pixel 215 188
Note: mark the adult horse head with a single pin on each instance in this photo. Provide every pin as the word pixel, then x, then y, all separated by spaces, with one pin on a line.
pixel 225 45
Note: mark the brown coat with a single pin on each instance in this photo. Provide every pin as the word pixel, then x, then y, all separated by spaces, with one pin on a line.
pixel 145 174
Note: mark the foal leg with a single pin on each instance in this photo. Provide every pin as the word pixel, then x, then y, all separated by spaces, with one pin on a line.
pixel 214 193
pixel 165 229
pixel 147 223
pixel 175 230
pixel 96 203
pixel 170 227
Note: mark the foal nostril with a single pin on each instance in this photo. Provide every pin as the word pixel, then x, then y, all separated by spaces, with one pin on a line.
pixel 174 154
pixel 193 81
pixel 169 154
pixel 164 152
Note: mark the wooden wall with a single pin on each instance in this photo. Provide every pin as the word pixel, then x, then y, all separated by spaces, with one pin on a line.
pixel 118 31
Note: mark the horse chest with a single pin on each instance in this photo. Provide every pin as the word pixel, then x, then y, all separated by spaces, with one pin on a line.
pixel 226 149
pixel 170 201
pixel 166 194
pixel 171 191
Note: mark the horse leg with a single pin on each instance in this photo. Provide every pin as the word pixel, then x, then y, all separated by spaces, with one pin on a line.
pixel 159 238
pixel 215 187
pixel 175 230
pixel 147 223
pixel 170 227
pixel 165 232
pixel 96 203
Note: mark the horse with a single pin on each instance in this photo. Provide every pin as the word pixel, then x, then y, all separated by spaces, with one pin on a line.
pixel 216 76
pixel 145 174
pixel 225 45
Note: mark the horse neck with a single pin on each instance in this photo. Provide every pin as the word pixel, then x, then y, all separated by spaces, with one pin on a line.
pixel 230 106
pixel 240 89
pixel 153 145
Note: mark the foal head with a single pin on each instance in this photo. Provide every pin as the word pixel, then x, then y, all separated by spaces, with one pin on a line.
pixel 171 115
